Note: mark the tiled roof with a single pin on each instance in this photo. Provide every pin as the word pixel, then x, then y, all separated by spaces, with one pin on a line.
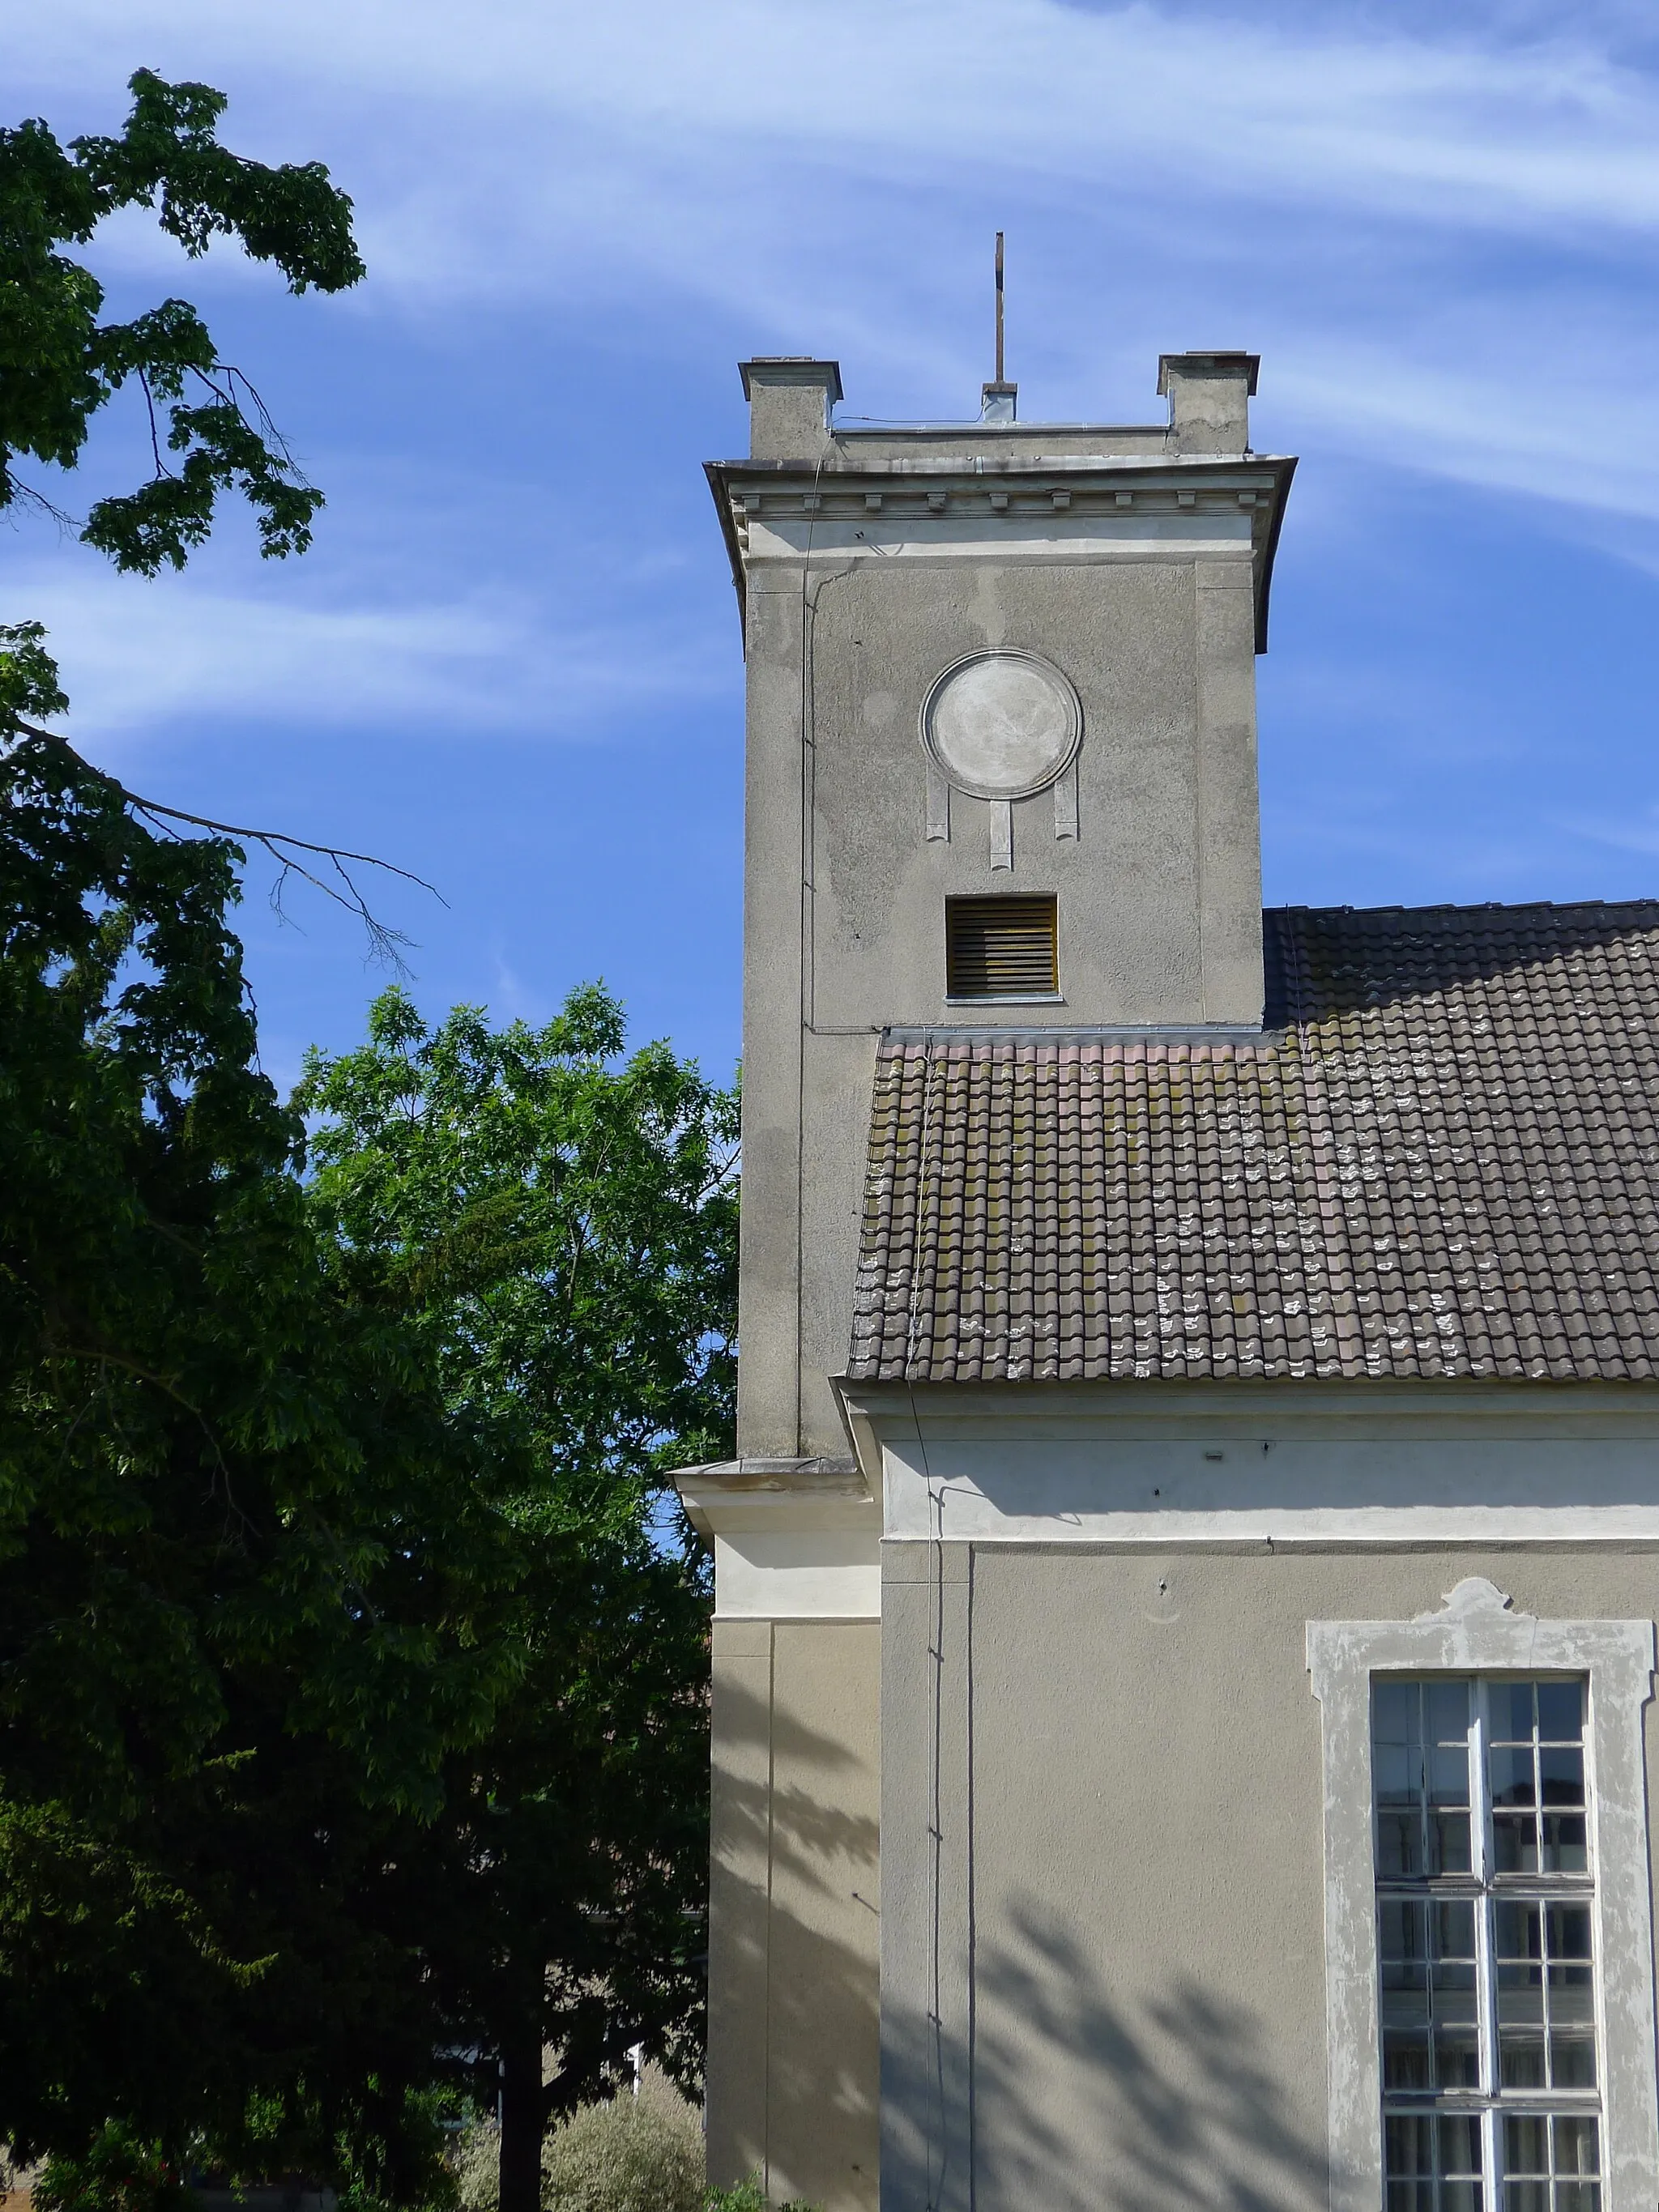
pixel 1442 1159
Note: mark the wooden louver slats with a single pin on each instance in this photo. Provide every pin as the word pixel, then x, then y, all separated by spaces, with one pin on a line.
pixel 1000 948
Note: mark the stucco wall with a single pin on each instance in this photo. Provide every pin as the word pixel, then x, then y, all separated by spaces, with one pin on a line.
pixel 1128 1974
pixel 794 1910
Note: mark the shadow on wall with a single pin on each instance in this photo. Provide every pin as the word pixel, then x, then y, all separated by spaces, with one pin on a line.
pixel 820 1837
pixel 812 1961
pixel 1082 2101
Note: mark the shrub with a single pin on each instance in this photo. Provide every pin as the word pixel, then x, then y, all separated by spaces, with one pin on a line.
pixel 637 2154
pixel 745 2197
pixel 750 2197
pixel 121 2173
pixel 475 2162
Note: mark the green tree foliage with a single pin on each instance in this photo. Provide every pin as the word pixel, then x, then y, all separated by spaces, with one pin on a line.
pixel 560 1224
pixel 351 1708
pixel 59 364
pixel 119 2173
pixel 750 2197
pixel 251 1575
pixel 255 1573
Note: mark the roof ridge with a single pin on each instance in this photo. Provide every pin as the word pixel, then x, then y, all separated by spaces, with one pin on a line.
pixel 1482 907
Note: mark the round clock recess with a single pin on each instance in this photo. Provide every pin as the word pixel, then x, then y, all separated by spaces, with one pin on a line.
pixel 1002 724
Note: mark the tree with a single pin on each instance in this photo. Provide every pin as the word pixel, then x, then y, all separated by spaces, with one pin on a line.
pixel 256 1577
pixel 59 365
pixel 251 1571
pixel 560 1224
pixel 209 431
pixel 561 1228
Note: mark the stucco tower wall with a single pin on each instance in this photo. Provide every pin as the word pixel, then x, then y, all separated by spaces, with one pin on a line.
pixel 1151 617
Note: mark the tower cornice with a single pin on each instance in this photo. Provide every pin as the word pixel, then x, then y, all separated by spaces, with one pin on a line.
pixel 852 503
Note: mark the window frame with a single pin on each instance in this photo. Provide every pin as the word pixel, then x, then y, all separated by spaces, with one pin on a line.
pixel 1479 1632
pixel 1486 1890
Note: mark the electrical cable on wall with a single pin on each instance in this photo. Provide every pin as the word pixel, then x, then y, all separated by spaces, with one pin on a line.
pixel 936 2195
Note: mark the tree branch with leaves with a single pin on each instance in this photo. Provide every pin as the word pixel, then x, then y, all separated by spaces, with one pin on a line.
pixel 60 365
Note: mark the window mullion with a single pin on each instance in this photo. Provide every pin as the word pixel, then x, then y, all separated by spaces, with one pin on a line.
pixel 1482 1858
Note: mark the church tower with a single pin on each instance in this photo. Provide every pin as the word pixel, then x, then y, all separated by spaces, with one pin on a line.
pixel 1001 779
pixel 1001 774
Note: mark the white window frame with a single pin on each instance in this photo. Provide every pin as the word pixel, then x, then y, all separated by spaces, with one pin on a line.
pixel 1480 1633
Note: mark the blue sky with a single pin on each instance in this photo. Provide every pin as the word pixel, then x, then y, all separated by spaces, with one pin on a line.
pixel 512 663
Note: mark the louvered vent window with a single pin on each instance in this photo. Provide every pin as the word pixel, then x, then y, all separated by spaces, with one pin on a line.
pixel 1000 948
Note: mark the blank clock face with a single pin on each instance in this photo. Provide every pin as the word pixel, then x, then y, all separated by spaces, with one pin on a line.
pixel 1002 725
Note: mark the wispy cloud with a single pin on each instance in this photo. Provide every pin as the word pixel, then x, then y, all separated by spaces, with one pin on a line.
pixel 137 656
pixel 1631 834
pixel 1471 121
pixel 1320 182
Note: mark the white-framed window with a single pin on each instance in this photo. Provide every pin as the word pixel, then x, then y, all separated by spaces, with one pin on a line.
pixel 1487 1911
pixel 1485 1896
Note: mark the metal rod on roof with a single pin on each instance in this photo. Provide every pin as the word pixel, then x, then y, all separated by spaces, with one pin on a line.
pixel 998 307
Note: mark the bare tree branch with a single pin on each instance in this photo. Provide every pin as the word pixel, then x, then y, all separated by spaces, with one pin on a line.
pixel 31 497
pixel 384 943
pixel 161 468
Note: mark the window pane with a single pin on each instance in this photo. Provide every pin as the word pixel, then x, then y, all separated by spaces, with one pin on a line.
pixel 1515 1843
pixel 1459 2143
pixel 1399 1845
pixel 1566 1850
pixel 1573 2061
pixel 1576 2146
pixel 1449 1834
pixel 1405 2056
pixel 1526 2144
pixel 1401 1928
pixel 1568 1930
pixel 1511 1775
pixel 1452 1926
pixel 1456 2054
pixel 1394 1709
pixel 1408 2144
pixel 1411 2197
pixel 1510 1706
pixel 1572 2001
pixel 1396 1774
pixel 1449 1712
pixel 1449 1775
pixel 1561 1711
pixel 1561 1775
